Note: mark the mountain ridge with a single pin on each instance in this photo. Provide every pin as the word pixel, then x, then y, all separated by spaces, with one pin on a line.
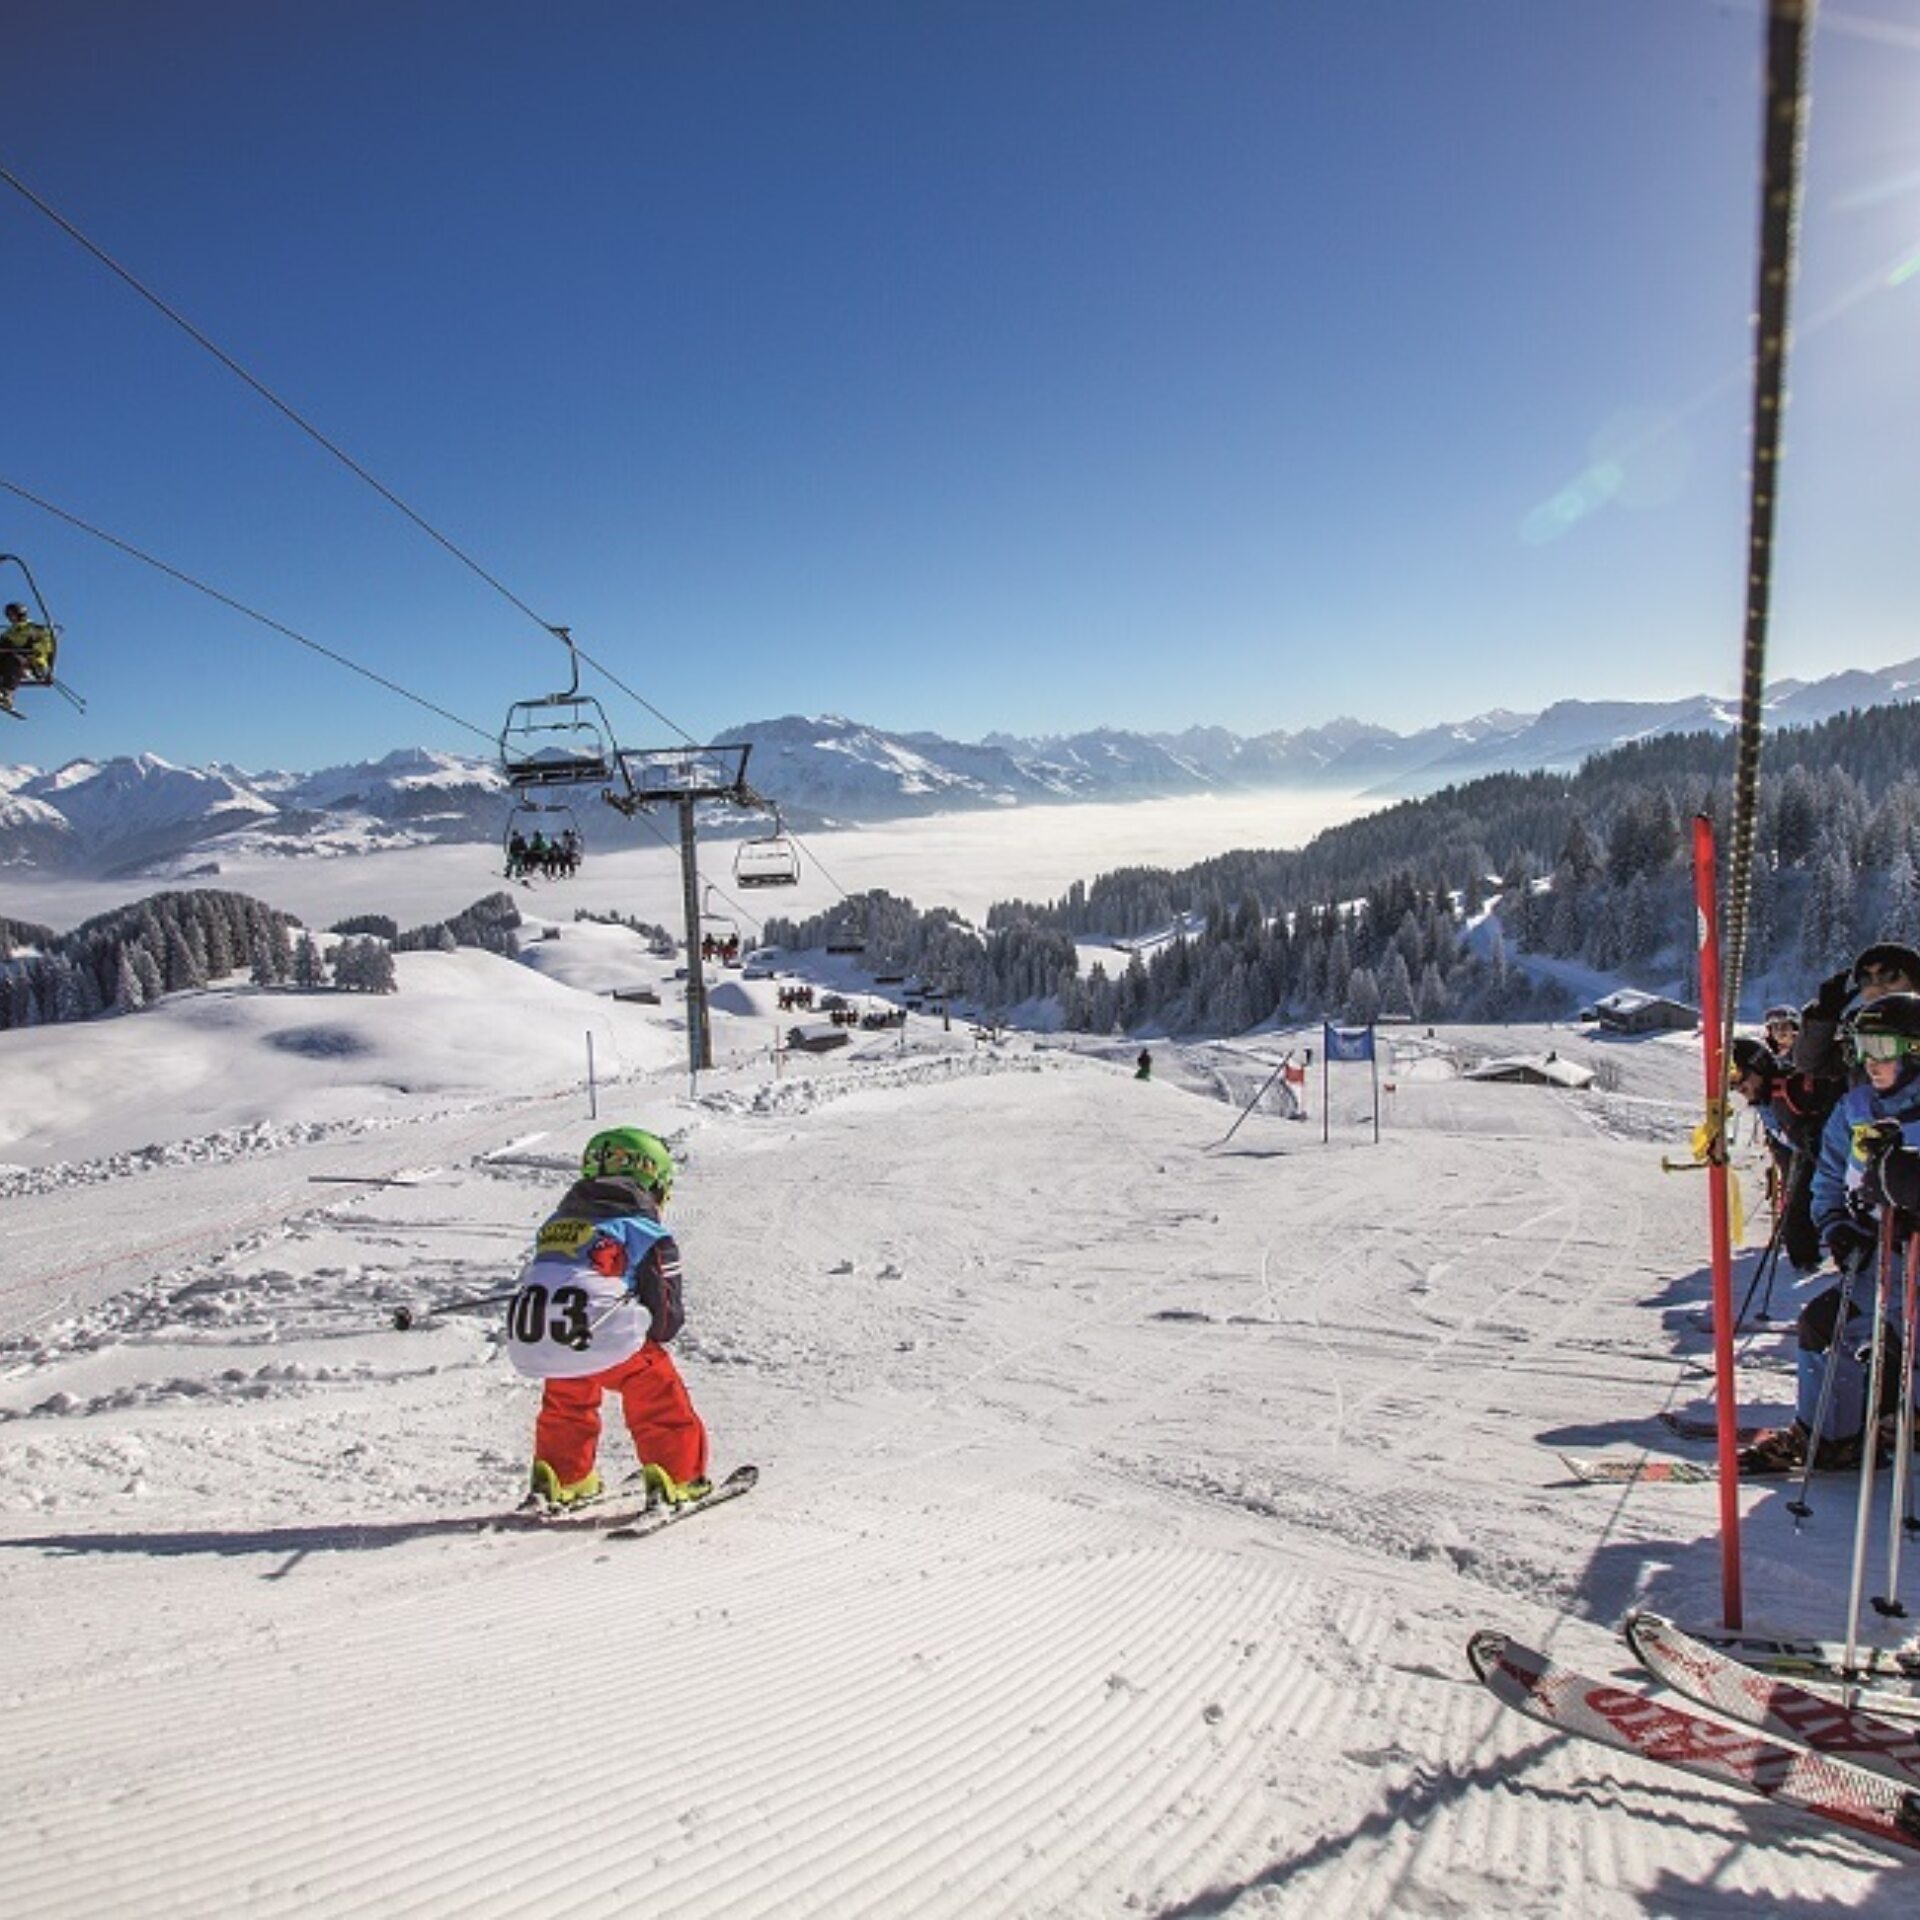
pixel 139 816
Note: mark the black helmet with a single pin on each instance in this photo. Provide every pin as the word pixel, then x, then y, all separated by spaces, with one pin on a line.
pixel 1889 956
pixel 1892 1013
pixel 1752 1056
pixel 1782 1016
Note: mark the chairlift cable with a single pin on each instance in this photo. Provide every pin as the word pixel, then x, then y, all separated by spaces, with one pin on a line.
pixel 238 606
pixel 1788 33
pixel 353 466
pixel 360 472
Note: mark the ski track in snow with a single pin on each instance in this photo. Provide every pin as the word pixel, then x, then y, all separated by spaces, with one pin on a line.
pixel 1125 1508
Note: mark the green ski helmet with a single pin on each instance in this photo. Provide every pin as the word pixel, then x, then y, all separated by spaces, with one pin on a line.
pixel 632 1154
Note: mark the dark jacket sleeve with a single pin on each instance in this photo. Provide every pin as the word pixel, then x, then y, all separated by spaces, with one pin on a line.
pixel 1817 1051
pixel 658 1285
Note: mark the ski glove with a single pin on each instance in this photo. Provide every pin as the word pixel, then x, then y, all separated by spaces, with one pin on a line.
pixel 1851 1243
pixel 1892 1179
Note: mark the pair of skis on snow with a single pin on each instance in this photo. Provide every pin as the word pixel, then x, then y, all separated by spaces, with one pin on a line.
pixel 626 1513
pixel 1847 1764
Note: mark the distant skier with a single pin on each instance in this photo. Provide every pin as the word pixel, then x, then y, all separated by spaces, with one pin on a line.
pixel 597 1304
pixel 1143 1067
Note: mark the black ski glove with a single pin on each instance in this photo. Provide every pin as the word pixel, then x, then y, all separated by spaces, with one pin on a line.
pixel 1892 1179
pixel 1851 1243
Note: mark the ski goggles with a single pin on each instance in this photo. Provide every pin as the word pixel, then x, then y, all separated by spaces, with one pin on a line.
pixel 1881 1046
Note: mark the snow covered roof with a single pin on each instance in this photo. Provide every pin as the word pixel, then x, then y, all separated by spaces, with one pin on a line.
pixel 1541 1069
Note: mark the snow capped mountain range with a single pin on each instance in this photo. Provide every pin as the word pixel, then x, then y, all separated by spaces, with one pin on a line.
pixel 142 817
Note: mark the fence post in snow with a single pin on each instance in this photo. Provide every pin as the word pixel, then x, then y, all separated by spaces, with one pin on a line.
pixel 593 1092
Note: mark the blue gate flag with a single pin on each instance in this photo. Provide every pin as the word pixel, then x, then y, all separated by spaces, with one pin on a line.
pixel 1349 1043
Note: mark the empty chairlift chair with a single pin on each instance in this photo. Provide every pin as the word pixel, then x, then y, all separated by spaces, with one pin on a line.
pixel 560 740
pixel 772 861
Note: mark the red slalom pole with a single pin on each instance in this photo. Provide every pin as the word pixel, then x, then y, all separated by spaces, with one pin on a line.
pixel 1706 916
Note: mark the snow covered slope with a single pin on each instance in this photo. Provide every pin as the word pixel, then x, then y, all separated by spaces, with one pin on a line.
pixel 1126 1501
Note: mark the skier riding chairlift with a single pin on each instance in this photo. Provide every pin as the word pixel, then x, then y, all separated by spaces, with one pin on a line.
pixel 532 849
pixel 28 647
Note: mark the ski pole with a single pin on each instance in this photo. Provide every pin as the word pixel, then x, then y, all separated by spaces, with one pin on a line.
pixel 405 1317
pixel 1800 1507
pixel 1899 1517
pixel 1799 1174
pixel 1767 1260
pixel 1869 1442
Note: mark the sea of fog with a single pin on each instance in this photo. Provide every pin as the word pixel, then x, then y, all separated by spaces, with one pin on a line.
pixel 961 860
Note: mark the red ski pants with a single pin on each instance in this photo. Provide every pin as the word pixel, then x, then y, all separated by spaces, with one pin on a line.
pixel 654 1401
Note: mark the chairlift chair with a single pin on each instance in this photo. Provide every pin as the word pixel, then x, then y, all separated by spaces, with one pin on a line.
pixel 769 861
pixel 722 929
pixel 40 672
pixel 527 816
pixel 559 739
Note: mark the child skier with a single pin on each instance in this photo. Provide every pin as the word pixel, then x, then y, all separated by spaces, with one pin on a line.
pixel 597 1304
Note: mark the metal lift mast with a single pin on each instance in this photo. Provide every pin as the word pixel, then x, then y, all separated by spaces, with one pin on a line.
pixel 682 777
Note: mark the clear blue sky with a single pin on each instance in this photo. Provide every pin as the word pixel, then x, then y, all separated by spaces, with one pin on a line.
pixel 956 364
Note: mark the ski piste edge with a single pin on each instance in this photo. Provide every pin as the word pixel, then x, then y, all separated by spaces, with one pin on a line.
pixel 1775 1705
pixel 1632 1722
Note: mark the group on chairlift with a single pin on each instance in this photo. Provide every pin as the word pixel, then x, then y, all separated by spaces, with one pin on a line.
pixel 556 741
pixel 563 740
pixel 535 855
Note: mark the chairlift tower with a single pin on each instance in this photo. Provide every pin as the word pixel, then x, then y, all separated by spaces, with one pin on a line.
pixel 682 777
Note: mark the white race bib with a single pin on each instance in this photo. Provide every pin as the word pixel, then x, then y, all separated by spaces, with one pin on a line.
pixel 569 1320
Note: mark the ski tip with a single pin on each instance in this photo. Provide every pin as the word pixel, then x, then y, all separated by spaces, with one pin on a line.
pixel 1640 1627
pixel 1485 1650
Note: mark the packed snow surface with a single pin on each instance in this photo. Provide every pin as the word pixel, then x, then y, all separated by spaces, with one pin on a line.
pixel 1127 1497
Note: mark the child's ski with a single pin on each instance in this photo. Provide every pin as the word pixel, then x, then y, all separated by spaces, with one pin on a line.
pixel 611 1508
pixel 1775 1705
pixel 740 1480
pixel 1633 1722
